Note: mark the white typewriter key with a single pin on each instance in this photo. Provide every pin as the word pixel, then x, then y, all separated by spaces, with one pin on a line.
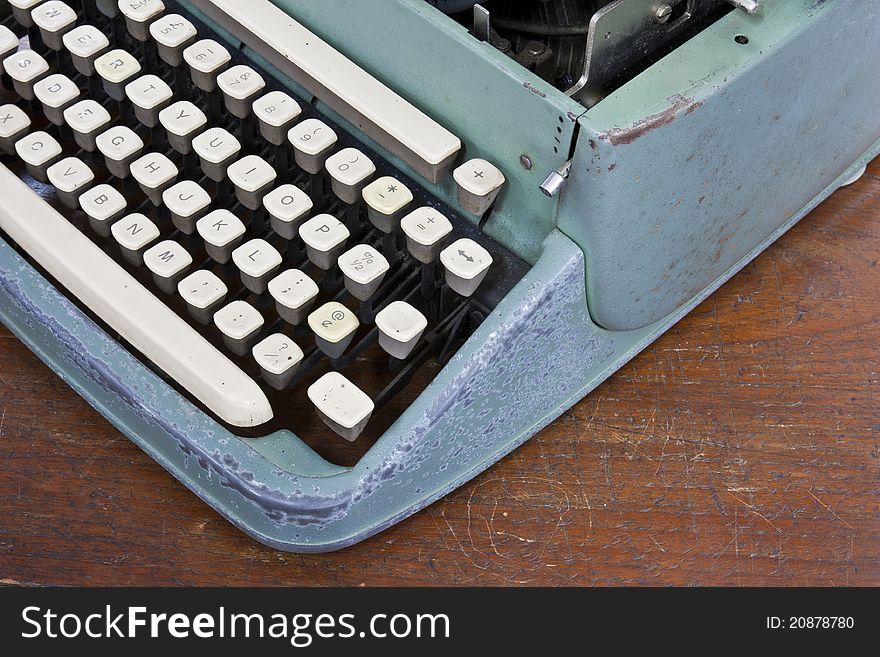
pixel 312 141
pixel 206 59
pixel 400 328
pixel 25 67
pixel 155 173
pixel 39 150
pixel 21 11
pixel 182 121
pixel 87 119
pixel 204 293
pixel 386 199
pixel 104 205
pixel 288 207
pixel 240 86
pixel 257 261
pixel 187 201
pixel 334 326
pixel 217 149
pixel 56 92
pixel 8 42
pixel 116 69
pixel 349 171
pixel 55 19
pixel 294 293
pixel 222 232
pixel 324 236
pixel 120 146
pixel 85 44
pixel 277 112
pixel 240 323
pixel 139 14
pixel 478 184
pixel 134 233
pixel 252 177
pixel 342 406
pixel 172 33
pixel 14 124
pixel 168 262
pixel 278 357
pixel 149 95
pixel 70 177
pixel 466 264
pixel 425 230
pixel 364 268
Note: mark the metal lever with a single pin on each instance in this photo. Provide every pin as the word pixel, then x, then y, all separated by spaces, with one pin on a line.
pixel 556 180
pixel 482 21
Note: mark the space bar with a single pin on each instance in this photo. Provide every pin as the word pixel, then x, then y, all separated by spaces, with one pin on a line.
pixel 128 307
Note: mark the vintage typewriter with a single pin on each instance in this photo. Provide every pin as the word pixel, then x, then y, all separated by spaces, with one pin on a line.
pixel 326 261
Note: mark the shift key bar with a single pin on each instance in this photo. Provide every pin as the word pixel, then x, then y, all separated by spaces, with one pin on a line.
pixel 429 148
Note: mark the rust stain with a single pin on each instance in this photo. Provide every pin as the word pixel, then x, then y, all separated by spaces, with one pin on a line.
pixel 629 134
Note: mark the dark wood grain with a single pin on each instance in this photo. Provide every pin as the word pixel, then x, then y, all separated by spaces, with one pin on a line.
pixel 742 448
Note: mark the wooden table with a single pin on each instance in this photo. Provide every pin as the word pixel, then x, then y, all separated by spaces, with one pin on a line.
pixel 742 448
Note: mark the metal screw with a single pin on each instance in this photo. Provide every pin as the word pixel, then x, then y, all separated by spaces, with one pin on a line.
pixel 536 48
pixel 662 13
pixel 526 161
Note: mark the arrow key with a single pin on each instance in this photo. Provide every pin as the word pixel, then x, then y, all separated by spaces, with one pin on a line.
pixel 466 264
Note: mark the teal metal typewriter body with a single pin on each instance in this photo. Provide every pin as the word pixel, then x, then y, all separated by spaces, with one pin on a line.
pixel 258 236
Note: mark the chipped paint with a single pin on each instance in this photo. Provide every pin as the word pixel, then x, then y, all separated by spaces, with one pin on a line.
pixel 680 105
pixel 474 413
pixel 534 89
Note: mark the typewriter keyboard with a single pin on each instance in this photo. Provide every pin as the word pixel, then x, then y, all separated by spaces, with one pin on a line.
pixel 328 278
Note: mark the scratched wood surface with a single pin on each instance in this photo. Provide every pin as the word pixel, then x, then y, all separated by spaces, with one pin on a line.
pixel 742 448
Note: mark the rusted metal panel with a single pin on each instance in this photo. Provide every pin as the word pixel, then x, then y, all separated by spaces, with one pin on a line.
pixel 687 168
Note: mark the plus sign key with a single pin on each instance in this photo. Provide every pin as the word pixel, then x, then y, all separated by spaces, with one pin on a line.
pixel 425 231
pixel 478 184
